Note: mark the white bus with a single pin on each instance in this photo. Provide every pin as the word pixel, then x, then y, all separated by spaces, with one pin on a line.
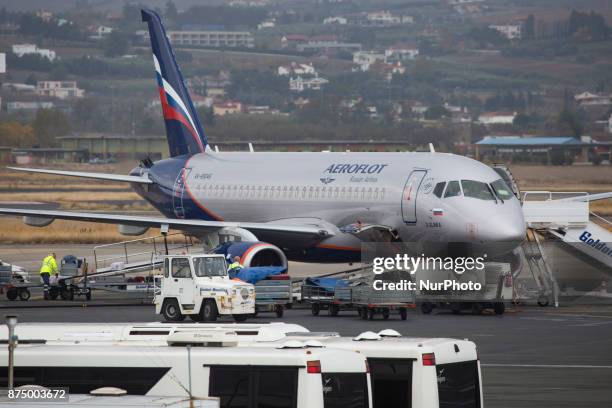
pixel 203 364
pixel 405 372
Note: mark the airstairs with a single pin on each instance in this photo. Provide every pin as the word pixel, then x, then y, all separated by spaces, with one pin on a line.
pixel 564 219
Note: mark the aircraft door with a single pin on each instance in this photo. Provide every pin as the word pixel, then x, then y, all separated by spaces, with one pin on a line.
pixel 409 196
pixel 179 192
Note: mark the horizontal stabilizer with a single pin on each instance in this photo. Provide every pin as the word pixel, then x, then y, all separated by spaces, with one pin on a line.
pixel 83 174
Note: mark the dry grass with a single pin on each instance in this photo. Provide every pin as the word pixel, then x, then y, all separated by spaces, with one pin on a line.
pixel 71 196
pixel 13 231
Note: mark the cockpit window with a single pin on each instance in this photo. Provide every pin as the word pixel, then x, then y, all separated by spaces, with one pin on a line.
pixel 477 189
pixel 439 189
pixel 501 189
pixel 453 189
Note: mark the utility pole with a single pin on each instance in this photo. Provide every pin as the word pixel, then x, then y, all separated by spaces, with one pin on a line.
pixel 11 322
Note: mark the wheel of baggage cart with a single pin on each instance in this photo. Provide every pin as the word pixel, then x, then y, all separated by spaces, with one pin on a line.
pixel 11 294
pixel 477 308
pixel 363 313
pixel 239 318
pixel 386 314
pixel 334 310
pixel 403 313
pixel 53 292
pixel 499 308
pixel 315 308
pixel 24 294
pixel 171 311
pixel 279 310
pixel 209 311
pixel 67 293
pixel 543 301
pixel 426 308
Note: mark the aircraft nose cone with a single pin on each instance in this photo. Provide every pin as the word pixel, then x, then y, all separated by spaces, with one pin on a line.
pixel 512 230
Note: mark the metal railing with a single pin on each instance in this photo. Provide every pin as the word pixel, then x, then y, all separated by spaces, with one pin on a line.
pixel 140 250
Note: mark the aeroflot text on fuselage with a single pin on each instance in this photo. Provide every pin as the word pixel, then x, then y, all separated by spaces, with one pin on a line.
pixel 355 168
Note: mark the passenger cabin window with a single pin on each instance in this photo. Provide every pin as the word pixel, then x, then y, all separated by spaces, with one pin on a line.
pixel 477 189
pixel 180 268
pixel 439 189
pixel 209 266
pixel 453 189
pixel 254 386
pixel 502 190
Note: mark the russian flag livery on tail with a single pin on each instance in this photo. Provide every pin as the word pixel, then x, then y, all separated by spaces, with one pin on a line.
pixel 184 131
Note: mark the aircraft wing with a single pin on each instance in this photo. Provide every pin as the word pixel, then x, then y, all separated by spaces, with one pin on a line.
pixel 99 176
pixel 306 231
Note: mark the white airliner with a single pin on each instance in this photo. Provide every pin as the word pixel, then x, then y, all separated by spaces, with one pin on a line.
pixel 313 207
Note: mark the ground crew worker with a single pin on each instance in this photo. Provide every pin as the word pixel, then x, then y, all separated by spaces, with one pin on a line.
pixel 234 267
pixel 48 268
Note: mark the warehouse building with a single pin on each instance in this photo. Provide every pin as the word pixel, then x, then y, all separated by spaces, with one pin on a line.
pixel 117 146
pixel 540 149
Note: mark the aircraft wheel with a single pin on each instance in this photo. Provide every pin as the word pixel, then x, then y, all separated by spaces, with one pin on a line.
pixel 172 312
pixel 315 308
pixel 209 311
pixel 24 294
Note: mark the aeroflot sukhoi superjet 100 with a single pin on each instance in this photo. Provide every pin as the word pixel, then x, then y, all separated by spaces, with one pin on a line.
pixel 313 207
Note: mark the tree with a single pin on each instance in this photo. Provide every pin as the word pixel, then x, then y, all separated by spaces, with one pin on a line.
pixel 115 44
pixel 568 121
pixel 436 112
pixel 170 12
pixel 49 124
pixel 530 27
pixel 16 135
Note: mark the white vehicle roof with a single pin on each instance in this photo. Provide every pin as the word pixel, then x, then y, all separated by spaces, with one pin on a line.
pixel 49 355
pixel 447 350
pixel 140 332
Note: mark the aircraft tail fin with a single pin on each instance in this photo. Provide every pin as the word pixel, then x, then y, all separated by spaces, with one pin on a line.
pixel 183 128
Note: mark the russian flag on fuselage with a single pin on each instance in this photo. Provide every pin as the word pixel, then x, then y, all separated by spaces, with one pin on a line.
pixel 183 129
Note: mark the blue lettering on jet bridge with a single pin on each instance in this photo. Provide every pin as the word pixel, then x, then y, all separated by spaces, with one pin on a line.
pixel 597 244
pixel 355 168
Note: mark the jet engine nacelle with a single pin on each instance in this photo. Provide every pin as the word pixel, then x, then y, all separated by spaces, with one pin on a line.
pixel 253 253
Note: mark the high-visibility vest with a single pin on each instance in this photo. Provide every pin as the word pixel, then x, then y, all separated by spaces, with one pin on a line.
pixel 235 265
pixel 49 265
